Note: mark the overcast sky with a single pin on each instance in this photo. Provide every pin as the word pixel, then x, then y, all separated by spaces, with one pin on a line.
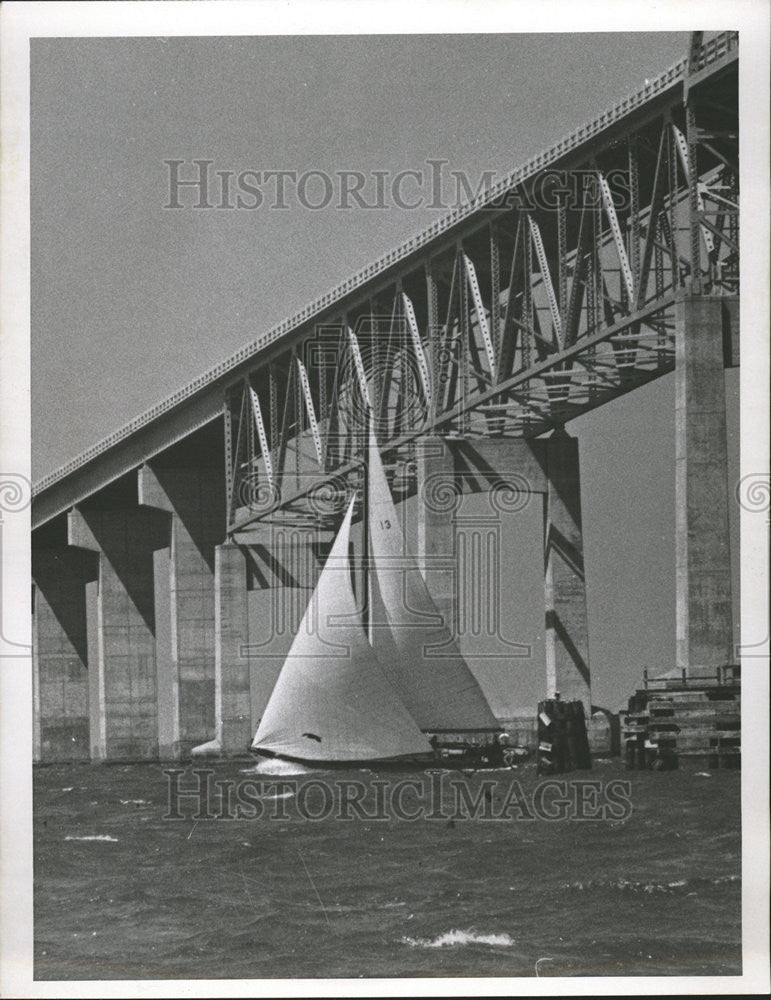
pixel 131 299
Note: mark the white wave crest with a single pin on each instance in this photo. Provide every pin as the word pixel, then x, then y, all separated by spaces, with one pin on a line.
pixel 276 767
pixel 455 938
pixel 95 836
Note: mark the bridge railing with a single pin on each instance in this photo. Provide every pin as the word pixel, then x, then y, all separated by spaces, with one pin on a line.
pixel 714 49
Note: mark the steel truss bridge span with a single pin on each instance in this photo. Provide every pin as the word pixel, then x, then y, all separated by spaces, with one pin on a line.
pixel 548 295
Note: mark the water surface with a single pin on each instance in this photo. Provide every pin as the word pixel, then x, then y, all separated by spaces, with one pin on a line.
pixel 122 893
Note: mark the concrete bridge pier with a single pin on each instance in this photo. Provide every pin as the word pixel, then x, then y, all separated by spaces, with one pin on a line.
pixel 262 587
pixel 184 600
pixel 232 689
pixel 120 617
pixel 506 466
pixel 566 618
pixel 704 346
pixel 60 647
pixel 283 567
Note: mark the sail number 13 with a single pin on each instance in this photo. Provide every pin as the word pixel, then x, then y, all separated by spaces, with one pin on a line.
pixel 385 525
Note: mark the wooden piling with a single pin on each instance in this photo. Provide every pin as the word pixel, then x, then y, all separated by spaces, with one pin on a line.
pixel 563 741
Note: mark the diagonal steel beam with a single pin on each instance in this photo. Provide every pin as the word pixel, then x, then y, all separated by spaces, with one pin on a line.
pixel 657 201
pixel 257 410
pixel 543 265
pixel 575 301
pixel 509 337
pixel 479 309
pixel 417 347
pixel 361 374
pixel 618 239
pixel 682 151
pixel 311 412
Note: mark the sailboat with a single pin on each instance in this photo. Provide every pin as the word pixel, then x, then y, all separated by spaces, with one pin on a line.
pixel 348 694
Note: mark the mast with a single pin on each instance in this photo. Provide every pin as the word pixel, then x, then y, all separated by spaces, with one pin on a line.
pixel 366 549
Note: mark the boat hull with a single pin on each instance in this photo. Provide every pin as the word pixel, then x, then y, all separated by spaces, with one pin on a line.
pixel 395 763
pixel 459 760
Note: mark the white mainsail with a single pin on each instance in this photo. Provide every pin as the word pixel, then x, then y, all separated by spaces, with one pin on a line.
pixel 332 701
pixel 413 644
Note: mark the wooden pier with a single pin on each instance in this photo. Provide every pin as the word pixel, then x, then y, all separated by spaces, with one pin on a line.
pixel 684 717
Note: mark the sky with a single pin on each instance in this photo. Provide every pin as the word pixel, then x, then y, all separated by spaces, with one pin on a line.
pixel 131 299
pixel 122 285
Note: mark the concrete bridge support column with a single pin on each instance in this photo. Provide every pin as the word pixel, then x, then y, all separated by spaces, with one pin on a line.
pixel 262 590
pixel 283 566
pixel 60 653
pixel 121 628
pixel 702 541
pixel 232 695
pixel 509 472
pixel 184 602
pixel 507 468
pixel 567 633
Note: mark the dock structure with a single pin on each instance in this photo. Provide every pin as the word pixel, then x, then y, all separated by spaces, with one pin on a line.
pixel 172 560
pixel 683 717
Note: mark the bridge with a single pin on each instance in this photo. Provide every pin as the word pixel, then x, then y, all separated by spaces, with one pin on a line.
pixel 172 559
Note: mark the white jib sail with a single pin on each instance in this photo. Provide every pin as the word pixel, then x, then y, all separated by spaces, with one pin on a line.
pixel 413 644
pixel 332 701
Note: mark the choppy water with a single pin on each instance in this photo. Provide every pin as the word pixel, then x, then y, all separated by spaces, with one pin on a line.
pixel 121 893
